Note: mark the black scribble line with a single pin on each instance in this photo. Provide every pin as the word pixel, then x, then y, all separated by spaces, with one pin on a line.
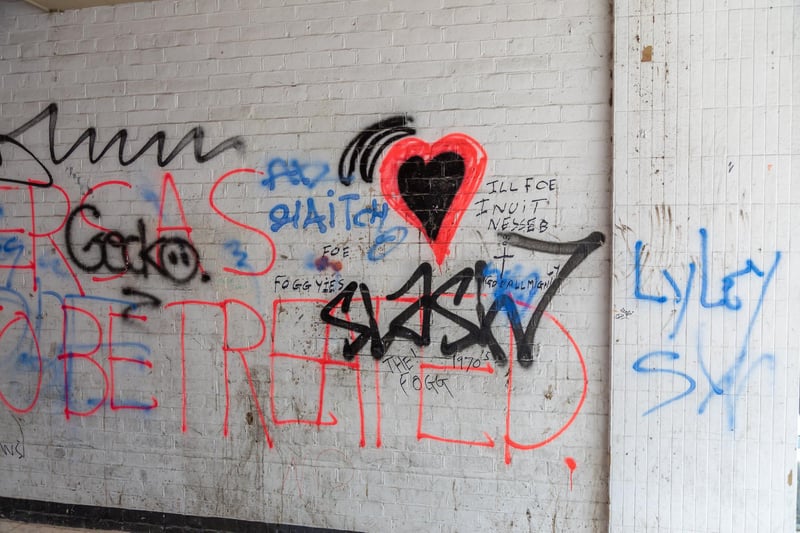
pixel 195 135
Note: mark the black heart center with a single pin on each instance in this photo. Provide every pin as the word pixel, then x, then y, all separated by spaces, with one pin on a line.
pixel 429 189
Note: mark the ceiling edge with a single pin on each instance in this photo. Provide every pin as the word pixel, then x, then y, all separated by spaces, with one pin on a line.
pixel 40 6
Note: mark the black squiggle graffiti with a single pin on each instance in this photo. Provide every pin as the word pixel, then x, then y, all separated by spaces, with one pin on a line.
pixel 365 149
pixel 12 449
pixel 479 332
pixel 175 257
pixel 196 135
pixel 11 140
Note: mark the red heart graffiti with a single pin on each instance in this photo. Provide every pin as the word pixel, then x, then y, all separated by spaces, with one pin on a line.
pixel 431 185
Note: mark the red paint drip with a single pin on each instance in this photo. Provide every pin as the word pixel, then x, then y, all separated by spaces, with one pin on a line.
pixel 572 465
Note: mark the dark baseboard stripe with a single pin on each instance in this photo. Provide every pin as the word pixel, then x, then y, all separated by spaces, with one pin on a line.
pixel 93 517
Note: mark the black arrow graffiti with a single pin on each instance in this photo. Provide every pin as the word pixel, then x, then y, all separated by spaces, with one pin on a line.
pixel 149 300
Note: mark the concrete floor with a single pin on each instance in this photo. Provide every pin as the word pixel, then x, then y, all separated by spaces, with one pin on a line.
pixel 8 526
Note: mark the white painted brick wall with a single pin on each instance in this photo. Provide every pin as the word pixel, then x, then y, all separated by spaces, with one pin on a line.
pixel 705 369
pixel 530 82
